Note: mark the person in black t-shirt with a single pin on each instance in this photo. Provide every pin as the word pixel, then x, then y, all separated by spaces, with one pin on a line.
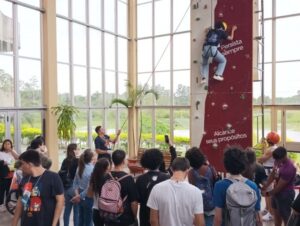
pixel 152 160
pixel 41 199
pixel 128 190
pixel 67 173
pixel 102 142
pixel 254 171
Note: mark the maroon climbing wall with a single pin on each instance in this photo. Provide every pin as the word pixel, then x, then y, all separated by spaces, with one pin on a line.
pixel 228 107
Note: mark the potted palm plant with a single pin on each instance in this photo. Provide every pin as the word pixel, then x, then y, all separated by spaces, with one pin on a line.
pixel 135 97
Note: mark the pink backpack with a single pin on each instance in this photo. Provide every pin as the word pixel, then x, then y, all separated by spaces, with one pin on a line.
pixel 110 202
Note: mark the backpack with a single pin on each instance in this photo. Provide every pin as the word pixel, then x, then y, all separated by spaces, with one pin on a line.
pixel 216 175
pixel 110 202
pixel 204 184
pixel 212 37
pixel 65 178
pixel 4 170
pixel 240 204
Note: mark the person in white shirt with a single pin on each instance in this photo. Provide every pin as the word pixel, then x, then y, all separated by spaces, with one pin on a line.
pixel 8 156
pixel 175 201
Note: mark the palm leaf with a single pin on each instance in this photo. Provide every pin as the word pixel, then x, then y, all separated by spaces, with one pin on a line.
pixel 125 103
pixel 152 91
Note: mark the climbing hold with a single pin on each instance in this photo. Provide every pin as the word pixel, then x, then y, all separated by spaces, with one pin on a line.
pixel 231 88
pixel 233 67
pixel 213 104
pixel 245 118
pixel 228 126
pixel 204 133
pixel 225 106
pixel 220 15
pixel 194 40
pixel 243 97
pixel 196 4
pixel 205 6
pixel 214 145
pixel 247 56
pixel 196 117
pixel 197 18
pixel 195 61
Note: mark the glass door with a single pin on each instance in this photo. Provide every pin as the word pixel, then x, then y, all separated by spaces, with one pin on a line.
pixel 7 126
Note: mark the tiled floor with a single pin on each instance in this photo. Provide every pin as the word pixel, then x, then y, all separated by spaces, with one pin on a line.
pixel 5 220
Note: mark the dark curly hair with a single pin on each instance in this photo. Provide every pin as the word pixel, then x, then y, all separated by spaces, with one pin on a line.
pixel 152 159
pixel 196 157
pixel 279 153
pixel 235 160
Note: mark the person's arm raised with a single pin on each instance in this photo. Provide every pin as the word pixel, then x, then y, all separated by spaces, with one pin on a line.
pixel 231 36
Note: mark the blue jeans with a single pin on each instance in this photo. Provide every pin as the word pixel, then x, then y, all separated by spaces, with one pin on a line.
pixel 212 51
pixel 69 193
pixel 209 220
pixel 86 212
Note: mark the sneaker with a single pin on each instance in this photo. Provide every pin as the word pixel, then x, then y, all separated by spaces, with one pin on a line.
pixel 267 217
pixel 2 208
pixel 218 77
pixel 203 81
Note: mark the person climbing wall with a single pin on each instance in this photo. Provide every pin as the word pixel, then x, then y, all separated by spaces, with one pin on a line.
pixel 210 49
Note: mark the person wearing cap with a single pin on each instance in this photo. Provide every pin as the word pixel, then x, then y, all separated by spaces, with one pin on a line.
pixel 267 160
pixel 210 49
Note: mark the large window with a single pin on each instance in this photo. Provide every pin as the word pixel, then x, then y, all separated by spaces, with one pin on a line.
pixel 164 65
pixel 21 77
pixel 92 62
pixel 282 60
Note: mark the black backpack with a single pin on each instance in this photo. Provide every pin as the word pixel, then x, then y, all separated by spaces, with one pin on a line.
pixel 65 178
pixel 212 37
pixel 4 170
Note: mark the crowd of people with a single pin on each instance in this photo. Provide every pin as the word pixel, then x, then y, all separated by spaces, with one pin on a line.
pixel 97 188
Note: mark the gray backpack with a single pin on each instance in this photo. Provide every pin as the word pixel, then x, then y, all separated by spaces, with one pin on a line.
pixel 240 204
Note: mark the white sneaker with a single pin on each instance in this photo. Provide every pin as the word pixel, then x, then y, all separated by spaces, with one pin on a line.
pixel 2 208
pixel 267 217
pixel 203 81
pixel 218 77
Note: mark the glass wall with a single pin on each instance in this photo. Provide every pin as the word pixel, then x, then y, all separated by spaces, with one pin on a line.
pixel 282 60
pixel 21 70
pixel 164 65
pixel 92 63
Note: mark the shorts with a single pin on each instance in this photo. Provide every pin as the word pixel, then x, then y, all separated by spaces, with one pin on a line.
pixel 282 203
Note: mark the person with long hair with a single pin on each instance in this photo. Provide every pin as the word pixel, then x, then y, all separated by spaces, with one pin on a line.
pixel 102 167
pixel 67 173
pixel 7 156
pixel 80 185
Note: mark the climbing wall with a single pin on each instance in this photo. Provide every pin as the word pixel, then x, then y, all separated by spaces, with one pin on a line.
pixel 221 113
